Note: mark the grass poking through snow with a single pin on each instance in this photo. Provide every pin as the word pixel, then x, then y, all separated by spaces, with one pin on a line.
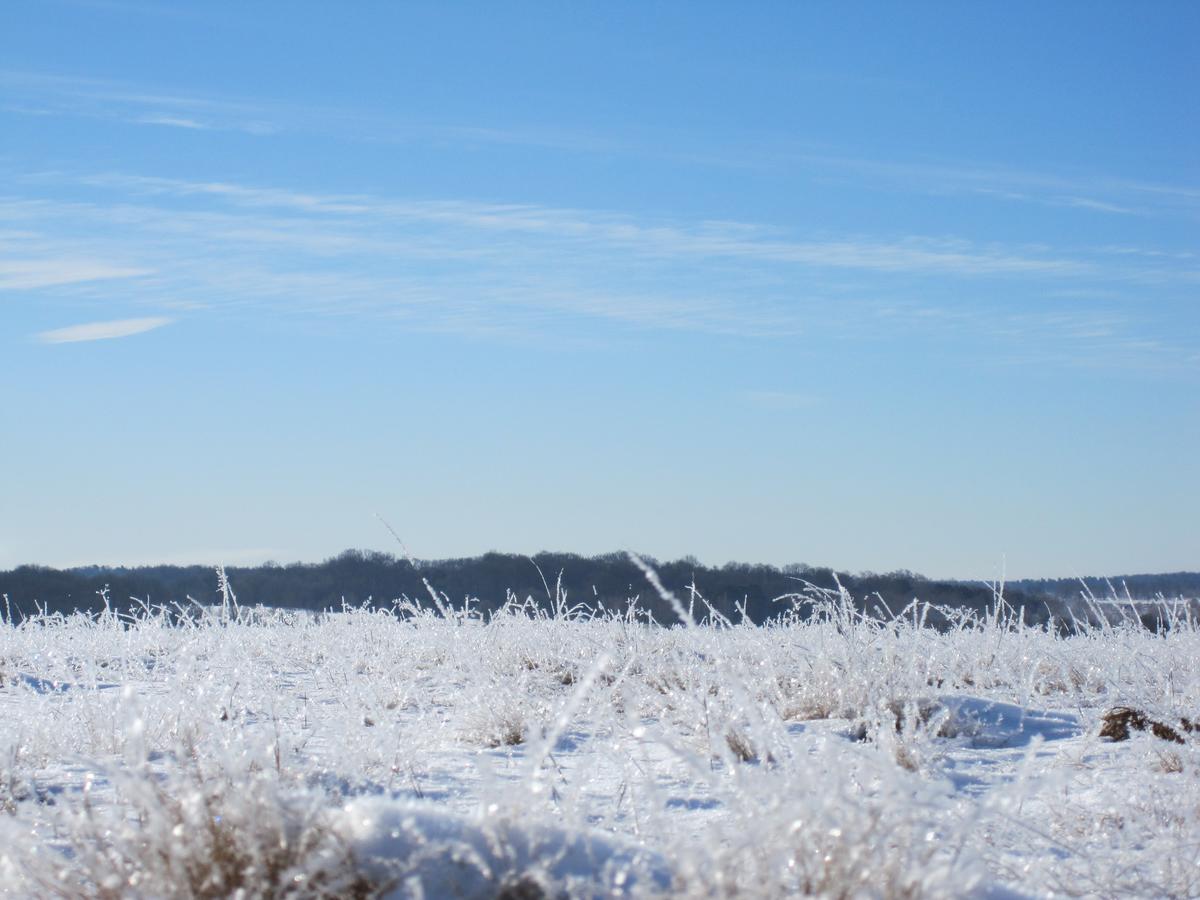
pixel 432 752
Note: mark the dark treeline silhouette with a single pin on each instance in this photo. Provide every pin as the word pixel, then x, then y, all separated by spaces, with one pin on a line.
pixel 378 579
pixel 1141 587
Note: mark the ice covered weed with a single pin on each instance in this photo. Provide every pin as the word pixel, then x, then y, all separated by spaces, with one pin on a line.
pixel 199 830
pixel 870 832
pixel 1104 823
pixel 828 753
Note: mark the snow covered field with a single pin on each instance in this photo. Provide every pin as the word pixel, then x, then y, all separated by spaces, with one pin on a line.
pixel 411 753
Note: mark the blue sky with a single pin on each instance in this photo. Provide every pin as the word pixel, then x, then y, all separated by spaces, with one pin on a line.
pixel 871 286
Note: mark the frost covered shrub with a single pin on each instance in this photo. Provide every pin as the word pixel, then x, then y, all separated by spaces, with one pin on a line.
pixel 883 836
pixel 201 831
pixel 1113 825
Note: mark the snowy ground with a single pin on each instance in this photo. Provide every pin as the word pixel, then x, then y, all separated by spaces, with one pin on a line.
pixel 413 754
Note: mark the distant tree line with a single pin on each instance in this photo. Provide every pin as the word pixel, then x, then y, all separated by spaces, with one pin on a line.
pixel 611 581
pixel 1141 587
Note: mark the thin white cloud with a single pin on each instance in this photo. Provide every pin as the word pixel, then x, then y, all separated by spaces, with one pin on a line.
pixel 43 94
pixel 38 93
pixel 1097 205
pixel 1084 191
pixel 102 331
pixel 173 122
pixel 910 254
pixel 28 274
pixel 239 217
pixel 531 271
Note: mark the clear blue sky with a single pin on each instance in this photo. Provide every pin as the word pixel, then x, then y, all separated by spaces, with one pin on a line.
pixel 871 286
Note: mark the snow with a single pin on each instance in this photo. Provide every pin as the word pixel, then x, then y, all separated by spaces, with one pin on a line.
pixel 410 753
pixel 450 855
pixel 991 723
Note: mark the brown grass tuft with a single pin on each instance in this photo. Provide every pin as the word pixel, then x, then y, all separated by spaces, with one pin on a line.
pixel 1121 720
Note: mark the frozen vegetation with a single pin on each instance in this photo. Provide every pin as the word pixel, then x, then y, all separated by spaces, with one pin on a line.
pixel 427 752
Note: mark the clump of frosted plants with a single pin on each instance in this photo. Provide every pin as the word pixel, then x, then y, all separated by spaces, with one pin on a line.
pixel 202 829
pixel 877 832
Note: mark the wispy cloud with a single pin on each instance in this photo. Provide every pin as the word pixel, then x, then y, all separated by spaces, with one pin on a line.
pixel 46 94
pixel 174 122
pixel 707 239
pixel 516 270
pixel 101 331
pixel 26 274
pixel 1094 192
pixel 1098 205
pixel 42 94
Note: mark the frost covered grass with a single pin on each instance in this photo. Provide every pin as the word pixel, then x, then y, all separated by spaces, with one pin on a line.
pixel 430 752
